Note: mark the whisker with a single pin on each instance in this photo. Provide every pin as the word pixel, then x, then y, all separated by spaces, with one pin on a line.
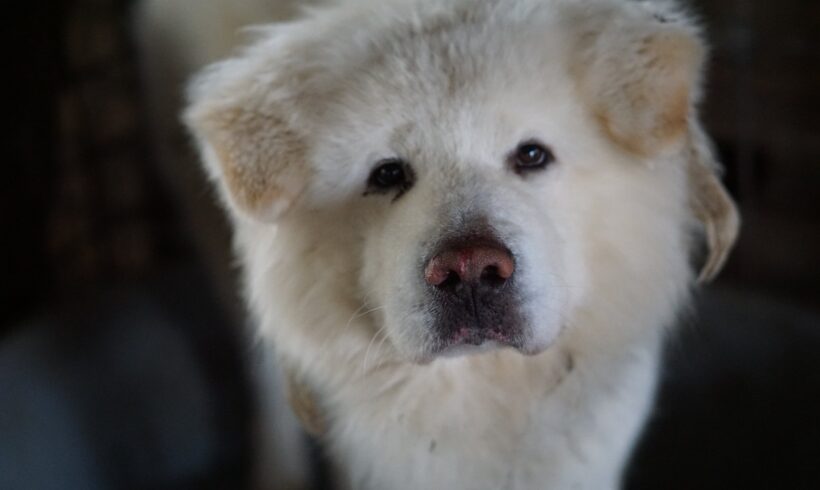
pixel 369 345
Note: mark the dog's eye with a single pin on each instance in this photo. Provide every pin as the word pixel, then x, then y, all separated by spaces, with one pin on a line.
pixel 531 156
pixel 388 175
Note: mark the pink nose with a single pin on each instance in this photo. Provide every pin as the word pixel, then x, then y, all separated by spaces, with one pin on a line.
pixel 487 265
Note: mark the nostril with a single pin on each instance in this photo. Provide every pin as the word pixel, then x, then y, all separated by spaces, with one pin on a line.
pixel 450 282
pixel 496 268
pixel 490 271
pixel 491 276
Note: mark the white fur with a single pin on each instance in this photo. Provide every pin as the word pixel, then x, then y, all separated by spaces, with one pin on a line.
pixel 601 237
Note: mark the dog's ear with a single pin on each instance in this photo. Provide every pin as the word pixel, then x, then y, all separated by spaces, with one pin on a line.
pixel 245 126
pixel 711 204
pixel 637 74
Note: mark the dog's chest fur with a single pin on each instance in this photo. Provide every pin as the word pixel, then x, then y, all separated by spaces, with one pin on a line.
pixel 498 421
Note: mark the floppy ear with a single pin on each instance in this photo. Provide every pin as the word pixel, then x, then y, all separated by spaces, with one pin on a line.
pixel 637 75
pixel 247 136
pixel 711 204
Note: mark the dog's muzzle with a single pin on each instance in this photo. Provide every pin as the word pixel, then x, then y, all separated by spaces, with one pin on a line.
pixel 472 283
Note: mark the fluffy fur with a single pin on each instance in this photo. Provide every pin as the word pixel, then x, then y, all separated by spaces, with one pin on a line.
pixel 291 127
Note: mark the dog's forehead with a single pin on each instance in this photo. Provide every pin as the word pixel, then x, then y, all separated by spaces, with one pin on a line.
pixel 453 90
pixel 460 61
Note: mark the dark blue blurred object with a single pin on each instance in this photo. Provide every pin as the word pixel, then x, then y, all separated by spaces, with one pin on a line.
pixel 142 388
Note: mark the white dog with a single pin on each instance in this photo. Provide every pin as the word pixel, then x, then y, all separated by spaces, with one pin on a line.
pixel 465 225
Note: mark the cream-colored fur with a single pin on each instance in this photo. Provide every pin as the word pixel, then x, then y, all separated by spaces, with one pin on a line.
pixel 289 130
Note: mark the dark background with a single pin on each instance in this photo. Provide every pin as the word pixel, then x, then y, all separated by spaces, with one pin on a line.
pixel 123 362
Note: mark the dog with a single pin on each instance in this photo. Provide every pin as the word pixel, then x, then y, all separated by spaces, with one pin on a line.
pixel 467 226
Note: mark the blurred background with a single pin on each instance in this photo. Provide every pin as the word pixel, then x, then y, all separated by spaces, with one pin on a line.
pixel 125 361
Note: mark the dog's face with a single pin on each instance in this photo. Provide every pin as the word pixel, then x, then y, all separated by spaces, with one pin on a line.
pixel 484 174
pixel 462 240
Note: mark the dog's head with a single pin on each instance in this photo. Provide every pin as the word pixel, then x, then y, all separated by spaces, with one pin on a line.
pixel 478 173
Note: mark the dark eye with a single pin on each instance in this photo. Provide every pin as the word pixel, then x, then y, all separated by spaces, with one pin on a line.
pixel 531 156
pixel 389 175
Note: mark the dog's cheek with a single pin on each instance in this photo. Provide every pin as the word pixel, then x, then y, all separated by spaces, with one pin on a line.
pixel 372 280
pixel 393 250
pixel 383 250
pixel 545 280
